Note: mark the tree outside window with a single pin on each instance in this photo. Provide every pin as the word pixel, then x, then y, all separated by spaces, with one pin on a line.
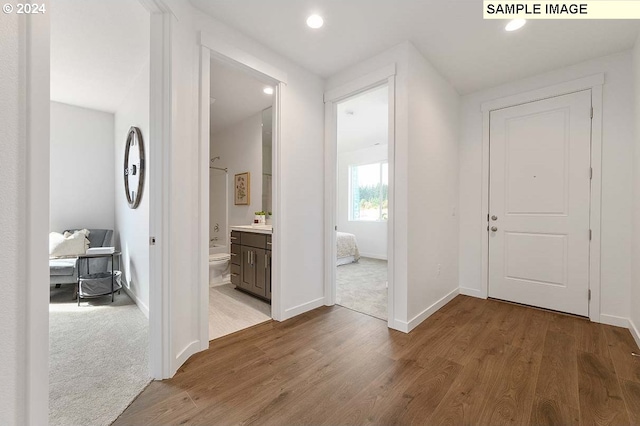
pixel 369 192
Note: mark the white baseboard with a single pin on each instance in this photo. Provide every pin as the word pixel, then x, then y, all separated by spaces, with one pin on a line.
pixel 144 308
pixel 397 325
pixel 374 256
pixel 614 320
pixel 471 292
pixel 634 332
pixel 183 356
pixel 301 309
pixel 413 323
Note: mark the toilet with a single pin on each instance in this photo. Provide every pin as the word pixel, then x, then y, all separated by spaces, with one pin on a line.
pixel 219 268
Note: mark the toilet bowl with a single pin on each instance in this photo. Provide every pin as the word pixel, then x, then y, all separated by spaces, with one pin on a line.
pixel 219 268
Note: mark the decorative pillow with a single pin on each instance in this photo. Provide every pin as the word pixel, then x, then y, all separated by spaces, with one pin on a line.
pixel 85 232
pixel 68 245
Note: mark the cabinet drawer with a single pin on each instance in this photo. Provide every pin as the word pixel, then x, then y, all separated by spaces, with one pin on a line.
pixel 236 237
pixel 235 275
pixel 254 240
pixel 235 254
pixel 268 242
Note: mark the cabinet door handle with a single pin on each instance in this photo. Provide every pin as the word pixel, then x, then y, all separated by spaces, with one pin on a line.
pixel 235 275
pixel 266 261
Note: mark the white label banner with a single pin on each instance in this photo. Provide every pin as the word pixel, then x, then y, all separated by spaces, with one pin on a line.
pixel 591 9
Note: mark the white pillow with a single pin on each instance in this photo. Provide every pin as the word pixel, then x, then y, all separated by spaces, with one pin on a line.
pixel 85 232
pixel 68 245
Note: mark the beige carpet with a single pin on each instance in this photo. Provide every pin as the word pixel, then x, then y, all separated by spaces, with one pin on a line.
pixel 231 310
pixel 362 286
pixel 98 360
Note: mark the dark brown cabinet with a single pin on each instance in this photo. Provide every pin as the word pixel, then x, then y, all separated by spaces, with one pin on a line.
pixel 251 263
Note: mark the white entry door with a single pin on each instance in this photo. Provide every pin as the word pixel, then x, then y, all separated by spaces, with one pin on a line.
pixel 539 205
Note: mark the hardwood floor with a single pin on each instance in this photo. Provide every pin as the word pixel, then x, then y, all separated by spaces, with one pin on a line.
pixel 473 362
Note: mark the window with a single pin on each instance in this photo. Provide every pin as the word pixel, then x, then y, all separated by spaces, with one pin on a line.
pixel 369 192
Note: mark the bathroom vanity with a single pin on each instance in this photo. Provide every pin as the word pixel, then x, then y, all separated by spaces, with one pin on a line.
pixel 251 260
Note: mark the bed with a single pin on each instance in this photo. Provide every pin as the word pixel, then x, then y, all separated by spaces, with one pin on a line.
pixel 347 248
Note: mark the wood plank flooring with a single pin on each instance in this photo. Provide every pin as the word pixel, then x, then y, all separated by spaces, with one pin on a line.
pixel 474 362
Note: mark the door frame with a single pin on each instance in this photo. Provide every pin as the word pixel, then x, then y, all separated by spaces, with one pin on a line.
pixel 212 47
pixel 594 83
pixel 160 115
pixel 33 374
pixel 385 75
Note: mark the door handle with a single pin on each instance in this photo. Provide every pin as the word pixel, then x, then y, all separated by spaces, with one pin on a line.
pixel 494 217
pixel 494 228
pixel 266 261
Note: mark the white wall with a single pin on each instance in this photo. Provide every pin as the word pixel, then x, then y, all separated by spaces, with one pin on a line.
pixel 240 149
pixel 634 313
pixel 132 225
pixel 617 174
pixel 371 236
pixel 433 189
pixel 426 186
pixel 82 162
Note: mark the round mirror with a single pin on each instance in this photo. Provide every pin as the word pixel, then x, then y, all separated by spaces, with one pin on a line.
pixel 134 167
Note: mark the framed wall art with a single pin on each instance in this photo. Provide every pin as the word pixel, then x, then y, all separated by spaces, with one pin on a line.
pixel 242 193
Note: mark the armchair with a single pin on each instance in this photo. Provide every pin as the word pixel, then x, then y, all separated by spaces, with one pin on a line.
pixel 65 271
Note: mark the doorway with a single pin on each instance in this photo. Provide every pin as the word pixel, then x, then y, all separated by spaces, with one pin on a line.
pixel 539 205
pixel 359 194
pixel 240 193
pixel 271 82
pixel 362 202
pixel 99 295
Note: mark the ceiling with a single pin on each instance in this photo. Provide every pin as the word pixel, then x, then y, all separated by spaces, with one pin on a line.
pixel 470 52
pixel 238 95
pixel 97 49
pixel 363 120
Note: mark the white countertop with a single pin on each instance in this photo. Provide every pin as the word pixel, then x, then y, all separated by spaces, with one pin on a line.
pixel 256 229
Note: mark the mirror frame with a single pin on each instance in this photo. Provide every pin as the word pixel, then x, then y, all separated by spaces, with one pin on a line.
pixel 134 132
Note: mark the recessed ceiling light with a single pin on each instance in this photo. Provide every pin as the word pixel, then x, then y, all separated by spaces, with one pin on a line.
pixel 315 21
pixel 268 90
pixel 515 24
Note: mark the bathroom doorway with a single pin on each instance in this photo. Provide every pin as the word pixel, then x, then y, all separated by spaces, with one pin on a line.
pixel 240 199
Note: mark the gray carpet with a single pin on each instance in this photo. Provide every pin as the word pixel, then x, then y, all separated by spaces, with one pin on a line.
pixel 98 359
pixel 362 286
